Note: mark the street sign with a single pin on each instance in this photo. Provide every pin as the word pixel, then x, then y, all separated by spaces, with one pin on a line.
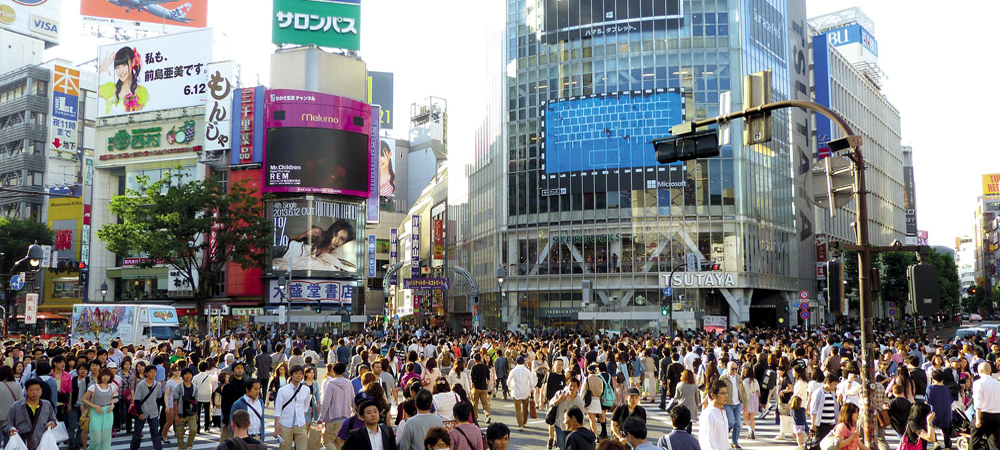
pixel 668 291
pixel 756 93
pixel 281 315
pixel 804 315
pixel 803 295
pixel 17 282
pixel 833 178
pixel 31 309
pixel 892 312
pixel 795 304
pixel 892 305
pixel 725 107
pixel 804 306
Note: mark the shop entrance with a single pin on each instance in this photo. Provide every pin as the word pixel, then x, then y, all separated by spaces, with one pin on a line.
pixel 765 309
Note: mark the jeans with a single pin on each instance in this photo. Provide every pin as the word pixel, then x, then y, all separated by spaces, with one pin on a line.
pixel 560 438
pixel 663 397
pixel 734 413
pixel 154 430
pixel 206 407
pixel 73 426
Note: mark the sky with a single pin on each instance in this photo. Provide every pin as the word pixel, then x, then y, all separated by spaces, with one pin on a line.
pixel 436 48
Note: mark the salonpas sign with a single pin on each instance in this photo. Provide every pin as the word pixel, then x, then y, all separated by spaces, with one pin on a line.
pixel 698 280
pixel 335 24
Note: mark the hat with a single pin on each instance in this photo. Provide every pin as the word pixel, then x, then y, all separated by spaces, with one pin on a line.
pixel 953 359
pixel 633 391
pixel 520 359
pixel 239 363
pixel 112 365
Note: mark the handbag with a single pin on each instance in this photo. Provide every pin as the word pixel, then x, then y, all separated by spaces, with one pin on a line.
pixel 532 411
pixel 829 442
pixel 883 418
pixel 134 409
pixel 550 416
pixel 904 445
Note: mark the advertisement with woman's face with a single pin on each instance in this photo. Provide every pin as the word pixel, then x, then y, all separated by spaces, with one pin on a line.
pixel 316 238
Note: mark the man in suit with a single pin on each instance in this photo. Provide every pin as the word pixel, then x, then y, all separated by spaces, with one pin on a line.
pixel 30 410
pixel 736 404
pixel 361 438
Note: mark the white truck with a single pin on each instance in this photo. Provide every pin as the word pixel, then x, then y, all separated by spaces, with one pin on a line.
pixel 134 323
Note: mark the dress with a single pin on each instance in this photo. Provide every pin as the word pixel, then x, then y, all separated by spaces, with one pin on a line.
pixel 753 394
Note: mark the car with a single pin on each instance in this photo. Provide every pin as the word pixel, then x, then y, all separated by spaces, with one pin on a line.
pixel 966 332
pixel 975 318
pixel 965 316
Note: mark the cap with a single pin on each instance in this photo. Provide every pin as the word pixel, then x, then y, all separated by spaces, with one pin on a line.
pixel 633 391
pixel 239 363
pixel 953 359
pixel 112 365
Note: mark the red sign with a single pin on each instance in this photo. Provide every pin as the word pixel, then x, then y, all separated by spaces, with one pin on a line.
pixel 86 214
pixel 821 248
pixel 64 240
pixel 246 126
pixel 439 239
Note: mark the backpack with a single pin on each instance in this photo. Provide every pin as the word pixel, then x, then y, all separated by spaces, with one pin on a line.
pixel 769 380
pixel 608 396
pixel 46 392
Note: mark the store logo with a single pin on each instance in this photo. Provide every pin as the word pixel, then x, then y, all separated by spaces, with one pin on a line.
pixel 44 26
pixel 7 15
pixel 30 2
pixel 318 118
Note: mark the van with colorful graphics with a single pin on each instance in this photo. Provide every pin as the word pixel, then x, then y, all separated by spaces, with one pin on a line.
pixel 138 324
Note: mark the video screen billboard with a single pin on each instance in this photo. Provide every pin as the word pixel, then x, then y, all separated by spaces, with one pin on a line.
pixel 609 130
pixel 387 167
pixel 157 16
pixel 317 238
pixel 33 18
pixel 154 74
pixel 576 19
pixel 316 144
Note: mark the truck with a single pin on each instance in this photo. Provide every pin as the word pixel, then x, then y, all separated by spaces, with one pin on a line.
pixel 139 324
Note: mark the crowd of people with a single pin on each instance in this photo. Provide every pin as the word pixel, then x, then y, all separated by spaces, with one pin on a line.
pixel 432 389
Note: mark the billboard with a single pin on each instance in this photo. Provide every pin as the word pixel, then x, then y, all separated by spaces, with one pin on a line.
pixel 316 144
pixel 909 202
pixel 393 252
pixel 333 24
pixel 374 147
pixel 340 293
pixel 64 113
pixel 415 246
pixel 170 139
pixel 250 130
pixel 581 19
pixel 316 238
pixel 33 18
pixel 380 92
pixel 991 185
pixel 219 109
pixel 856 35
pixel 103 323
pixel 158 16
pixel 387 167
pixel 154 74
pixel 65 220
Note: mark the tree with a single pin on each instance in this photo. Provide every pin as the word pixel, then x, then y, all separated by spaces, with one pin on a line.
pixel 949 286
pixel 193 227
pixel 15 237
pixel 894 284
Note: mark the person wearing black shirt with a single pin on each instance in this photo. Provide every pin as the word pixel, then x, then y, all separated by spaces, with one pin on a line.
pixel 231 392
pixel 555 381
pixel 480 386
pixel 240 439
pixel 628 409
pixel 579 437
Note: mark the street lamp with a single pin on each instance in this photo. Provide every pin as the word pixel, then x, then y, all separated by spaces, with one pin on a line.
pixel 35 254
pixel 104 291
pixel 501 276
pixel 281 287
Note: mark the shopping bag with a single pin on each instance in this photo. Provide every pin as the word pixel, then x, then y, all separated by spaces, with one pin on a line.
pixel 16 443
pixel 60 433
pixel 532 409
pixel 48 441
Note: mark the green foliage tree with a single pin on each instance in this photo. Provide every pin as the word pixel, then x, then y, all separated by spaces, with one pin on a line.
pixel 194 227
pixel 15 237
pixel 949 286
pixel 895 286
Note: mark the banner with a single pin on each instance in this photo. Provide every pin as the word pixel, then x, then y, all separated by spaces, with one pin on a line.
pixel 415 249
pixel 33 18
pixel 374 145
pixel 991 185
pixel 64 113
pixel 909 201
pixel 173 139
pixel 31 309
pixel 316 238
pixel 154 74
pixel 219 109
pixel 393 252
pixel 581 19
pixel 145 15
pixel 387 168
pixel 380 92
pixel 426 284
pixel 371 255
pixel 338 292
pixel 333 24
pixel 438 258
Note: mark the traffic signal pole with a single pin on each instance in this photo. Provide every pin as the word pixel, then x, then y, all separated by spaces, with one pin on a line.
pixel 852 142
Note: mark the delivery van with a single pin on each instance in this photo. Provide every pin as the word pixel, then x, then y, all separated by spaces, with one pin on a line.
pixel 138 324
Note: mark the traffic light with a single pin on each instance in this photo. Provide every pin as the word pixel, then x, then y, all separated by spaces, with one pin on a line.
pixel 84 275
pixel 835 286
pixel 64 265
pixel 683 147
pixel 924 294
pixel 665 310
pixel 319 308
pixel 971 290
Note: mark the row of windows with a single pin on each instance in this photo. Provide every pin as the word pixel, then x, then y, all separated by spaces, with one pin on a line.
pixel 21 88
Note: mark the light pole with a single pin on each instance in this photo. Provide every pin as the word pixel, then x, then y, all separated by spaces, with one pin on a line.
pixel 104 291
pixel 501 276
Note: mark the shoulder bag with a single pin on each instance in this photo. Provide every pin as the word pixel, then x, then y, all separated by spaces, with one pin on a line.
pixel 135 409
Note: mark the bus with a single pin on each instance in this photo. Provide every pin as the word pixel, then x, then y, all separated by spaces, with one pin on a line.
pixel 48 326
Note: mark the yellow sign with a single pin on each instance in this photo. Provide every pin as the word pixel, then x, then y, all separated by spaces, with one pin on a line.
pixel 991 185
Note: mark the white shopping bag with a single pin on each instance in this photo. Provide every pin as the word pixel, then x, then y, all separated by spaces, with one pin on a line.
pixel 16 443
pixel 60 433
pixel 48 441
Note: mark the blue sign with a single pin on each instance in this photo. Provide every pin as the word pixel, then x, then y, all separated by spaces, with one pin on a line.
pixel 371 255
pixel 16 282
pixel 821 73
pixel 804 315
pixel 668 291
pixel 795 304
pixel 853 34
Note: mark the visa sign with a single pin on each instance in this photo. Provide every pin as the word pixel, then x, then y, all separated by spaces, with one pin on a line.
pixel 853 34
pixel 44 26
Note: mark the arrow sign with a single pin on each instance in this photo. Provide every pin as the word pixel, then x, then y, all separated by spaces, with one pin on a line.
pixel 668 291
pixel 57 143
pixel 16 282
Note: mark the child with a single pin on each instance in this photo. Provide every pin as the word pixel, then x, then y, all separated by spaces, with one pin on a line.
pixel 799 417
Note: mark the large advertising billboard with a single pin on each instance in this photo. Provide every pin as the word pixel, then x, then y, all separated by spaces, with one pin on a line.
pixel 991 185
pixel 374 149
pixel 387 167
pixel 157 16
pixel 335 24
pixel 316 144
pixel 821 71
pixel 65 220
pixel 380 92
pixel 103 322
pixel 64 113
pixel 34 18
pixel 154 74
pixel 317 238
pixel 576 19
pixel 164 140
pixel 910 203
pixel 219 109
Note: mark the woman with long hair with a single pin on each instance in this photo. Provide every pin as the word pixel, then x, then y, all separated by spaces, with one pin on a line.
pixel 847 432
pixel 431 374
pixel 375 391
pixel 753 400
pixel 124 95
pixel 278 379
pixel 903 379
pixel 444 403
pixel 217 400
pixel 686 393
pixel 316 246
pixel 458 375
pixel 920 425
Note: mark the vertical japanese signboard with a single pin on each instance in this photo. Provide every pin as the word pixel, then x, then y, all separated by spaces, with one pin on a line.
pixel 393 251
pixel 246 125
pixel 415 247
pixel 218 109
pixel 438 259
pixel 371 255
pixel 373 169
pixel 65 102
pixel 31 309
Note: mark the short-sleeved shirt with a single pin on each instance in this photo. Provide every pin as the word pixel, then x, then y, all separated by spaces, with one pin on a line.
pixel 102 397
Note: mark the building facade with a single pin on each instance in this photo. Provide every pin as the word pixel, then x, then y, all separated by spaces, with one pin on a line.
pixel 595 227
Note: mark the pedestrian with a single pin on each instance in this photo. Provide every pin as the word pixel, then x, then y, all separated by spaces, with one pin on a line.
pixel 635 434
pixel 338 401
pixel 680 438
pixel 100 399
pixel 13 393
pixel 578 436
pixel 920 428
pixel 986 399
pixel 205 383
pixel 146 392
pixel 252 403
pixel 291 404
pixel 713 421
pixel 437 439
pixel 824 408
pixel 564 400
pixel 938 396
pixel 629 409
pixel 241 439
pixel 480 378
pixel 752 405
pixel 521 382
pixel 466 435
pixel 497 436
pixel 185 400
pixel 373 434
pixel 30 416
pixel 418 425
pixel 847 432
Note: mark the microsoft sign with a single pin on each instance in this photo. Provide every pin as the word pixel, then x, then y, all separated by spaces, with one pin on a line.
pixel 334 24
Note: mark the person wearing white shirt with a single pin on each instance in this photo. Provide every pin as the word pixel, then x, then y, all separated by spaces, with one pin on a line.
pixel 521 382
pixel 291 404
pixel 205 383
pixel 849 391
pixel 713 433
pixel 986 399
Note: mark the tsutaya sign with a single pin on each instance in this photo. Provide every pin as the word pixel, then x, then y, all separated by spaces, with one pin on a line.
pixel 699 279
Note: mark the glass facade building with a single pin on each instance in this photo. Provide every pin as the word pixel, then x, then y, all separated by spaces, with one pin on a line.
pixel 589 83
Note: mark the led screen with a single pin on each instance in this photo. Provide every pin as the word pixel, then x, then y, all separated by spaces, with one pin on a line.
pixel 316 160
